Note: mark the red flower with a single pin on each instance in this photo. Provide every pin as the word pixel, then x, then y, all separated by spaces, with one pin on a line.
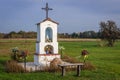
pixel 84 52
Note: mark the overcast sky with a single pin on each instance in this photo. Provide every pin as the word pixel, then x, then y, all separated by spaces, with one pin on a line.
pixel 72 15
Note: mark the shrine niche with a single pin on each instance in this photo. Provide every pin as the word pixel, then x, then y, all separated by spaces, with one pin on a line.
pixel 48 35
pixel 49 49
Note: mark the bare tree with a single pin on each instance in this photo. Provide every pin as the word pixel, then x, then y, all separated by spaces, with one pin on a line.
pixel 109 32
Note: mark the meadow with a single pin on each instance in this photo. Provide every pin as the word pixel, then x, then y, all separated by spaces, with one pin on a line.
pixel 105 59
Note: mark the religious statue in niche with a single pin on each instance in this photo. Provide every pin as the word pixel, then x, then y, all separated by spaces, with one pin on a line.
pixel 48 36
pixel 49 49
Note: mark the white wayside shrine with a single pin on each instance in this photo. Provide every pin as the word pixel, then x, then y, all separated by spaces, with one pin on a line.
pixel 46 44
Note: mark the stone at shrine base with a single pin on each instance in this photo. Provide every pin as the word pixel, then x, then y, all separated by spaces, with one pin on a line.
pixel 44 59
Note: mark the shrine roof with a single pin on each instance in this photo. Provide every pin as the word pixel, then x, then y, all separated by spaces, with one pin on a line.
pixel 48 19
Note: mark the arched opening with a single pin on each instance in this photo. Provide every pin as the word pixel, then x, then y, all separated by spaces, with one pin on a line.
pixel 48 35
pixel 48 49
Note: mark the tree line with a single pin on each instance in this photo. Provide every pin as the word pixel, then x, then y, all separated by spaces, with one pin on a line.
pixel 107 29
pixel 85 34
pixel 20 34
pixel 109 32
pixel 32 34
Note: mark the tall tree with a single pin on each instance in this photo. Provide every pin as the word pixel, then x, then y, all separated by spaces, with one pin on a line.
pixel 109 32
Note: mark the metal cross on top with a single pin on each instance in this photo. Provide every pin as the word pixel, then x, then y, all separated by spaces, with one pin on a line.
pixel 47 9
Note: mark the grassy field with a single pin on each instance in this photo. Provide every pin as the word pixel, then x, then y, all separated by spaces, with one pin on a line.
pixel 105 59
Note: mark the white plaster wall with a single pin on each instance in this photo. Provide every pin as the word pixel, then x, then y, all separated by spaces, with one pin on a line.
pixel 37 48
pixel 50 24
pixel 55 48
pixel 36 59
pixel 38 33
pixel 44 26
pixel 55 33
pixel 40 45
pixel 42 32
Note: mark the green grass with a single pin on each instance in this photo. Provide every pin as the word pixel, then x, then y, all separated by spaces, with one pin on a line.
pixel 105 59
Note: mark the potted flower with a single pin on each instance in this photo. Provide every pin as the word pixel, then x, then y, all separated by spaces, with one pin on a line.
pixel 15 53
pixel 84 53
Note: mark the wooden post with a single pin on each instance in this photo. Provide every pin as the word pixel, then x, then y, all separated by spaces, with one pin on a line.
pixel 78 70
pixel 63 70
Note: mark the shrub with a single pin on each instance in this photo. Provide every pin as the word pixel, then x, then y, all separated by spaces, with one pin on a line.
pixel 12 66
pixel 88 66
pixel 69 59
